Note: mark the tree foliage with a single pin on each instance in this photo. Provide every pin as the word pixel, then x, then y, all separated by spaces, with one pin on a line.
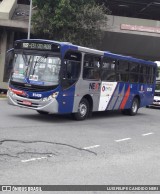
pixel 76 21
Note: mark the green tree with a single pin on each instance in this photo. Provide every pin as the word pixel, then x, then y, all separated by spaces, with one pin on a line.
pixel 102 2
pixel 76 21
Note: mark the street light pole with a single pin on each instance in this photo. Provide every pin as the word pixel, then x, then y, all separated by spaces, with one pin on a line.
pixel 30 17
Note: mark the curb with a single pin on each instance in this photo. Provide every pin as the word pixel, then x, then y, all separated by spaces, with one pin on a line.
pixel 3 98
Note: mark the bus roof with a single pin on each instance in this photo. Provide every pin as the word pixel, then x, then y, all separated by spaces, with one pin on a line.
pixel 129 58
pixel 93 51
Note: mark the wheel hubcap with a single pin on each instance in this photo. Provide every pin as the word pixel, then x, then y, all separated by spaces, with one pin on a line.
pixel 82 109
pixel 134 107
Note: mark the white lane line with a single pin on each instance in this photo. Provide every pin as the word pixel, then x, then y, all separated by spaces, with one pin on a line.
pixel 34 159
pixel 145 134
pixel 91 147
pixel 125 139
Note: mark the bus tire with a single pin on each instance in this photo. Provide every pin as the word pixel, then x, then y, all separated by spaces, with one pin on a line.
pixel 42 112
pixel 134 107
pixel 83 110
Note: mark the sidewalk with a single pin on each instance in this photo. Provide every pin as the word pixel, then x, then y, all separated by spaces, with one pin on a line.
pixel 3 96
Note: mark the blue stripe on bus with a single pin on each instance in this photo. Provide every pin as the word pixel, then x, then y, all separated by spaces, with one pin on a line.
pixel 65 48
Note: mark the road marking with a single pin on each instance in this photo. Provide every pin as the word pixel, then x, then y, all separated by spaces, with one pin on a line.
pixel 34 159
pixel 125 139
pixel 91 147
pixel 145 134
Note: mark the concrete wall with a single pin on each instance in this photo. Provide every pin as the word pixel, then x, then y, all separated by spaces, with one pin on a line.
pixel 114 25
pixel 7 7
pixel 8 26
pixel 136 43
pixel 3 45
pixel 21 25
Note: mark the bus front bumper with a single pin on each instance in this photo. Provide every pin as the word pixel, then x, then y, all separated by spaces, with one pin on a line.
pixel 50 105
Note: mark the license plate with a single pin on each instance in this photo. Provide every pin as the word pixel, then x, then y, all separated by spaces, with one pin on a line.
pixel 27 103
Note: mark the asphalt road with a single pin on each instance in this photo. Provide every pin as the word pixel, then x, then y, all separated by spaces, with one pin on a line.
pixel 107 149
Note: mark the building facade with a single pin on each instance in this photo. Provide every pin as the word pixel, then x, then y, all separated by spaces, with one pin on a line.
pixel 13 25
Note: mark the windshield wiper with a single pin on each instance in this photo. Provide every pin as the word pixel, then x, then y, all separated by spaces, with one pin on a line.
pixel 38 61
pixel 27 63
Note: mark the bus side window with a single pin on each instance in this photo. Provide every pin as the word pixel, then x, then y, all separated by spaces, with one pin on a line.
pixel 134 72
pixel 122 71
pixel 143 74
pixel 72 68
pixel 151 74
pixel 108 72
pixel 91 67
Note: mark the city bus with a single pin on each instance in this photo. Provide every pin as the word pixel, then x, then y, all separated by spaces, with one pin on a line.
pixel 62 78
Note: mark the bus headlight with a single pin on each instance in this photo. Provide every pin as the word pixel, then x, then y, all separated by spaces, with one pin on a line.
pixel 54 95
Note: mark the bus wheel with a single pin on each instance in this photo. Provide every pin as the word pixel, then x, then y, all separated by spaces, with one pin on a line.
pixel 83 110
pixel 42 112
pixel 134 108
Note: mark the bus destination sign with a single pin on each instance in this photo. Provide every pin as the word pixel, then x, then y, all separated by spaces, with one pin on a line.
pixel 36 46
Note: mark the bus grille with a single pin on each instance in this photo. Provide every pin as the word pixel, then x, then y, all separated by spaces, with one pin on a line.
pixel 32 88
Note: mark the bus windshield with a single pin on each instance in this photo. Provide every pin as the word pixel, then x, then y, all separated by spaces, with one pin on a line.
pixel 38 70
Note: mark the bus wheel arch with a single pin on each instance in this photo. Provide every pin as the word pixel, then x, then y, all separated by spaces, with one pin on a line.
pixel 90 100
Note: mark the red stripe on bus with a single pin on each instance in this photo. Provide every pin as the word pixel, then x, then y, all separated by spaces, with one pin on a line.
pixel 124 101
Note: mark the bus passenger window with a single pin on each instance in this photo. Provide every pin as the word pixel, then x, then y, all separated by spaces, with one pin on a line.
pixel 122 66
pixel 133 78
pixel 72 67
pixel 151 72
pixel 143 69
pixel 108 69
pixel 124 77
pixel 134 72
pixel 143 77
pixel 122 73
pixel 134 67
pixel 91 67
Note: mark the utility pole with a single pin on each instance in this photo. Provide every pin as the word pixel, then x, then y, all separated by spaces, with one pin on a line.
pixel 30 17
